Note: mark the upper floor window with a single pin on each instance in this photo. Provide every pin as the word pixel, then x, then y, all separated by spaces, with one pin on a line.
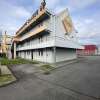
pixel 40 39
pixel 41 24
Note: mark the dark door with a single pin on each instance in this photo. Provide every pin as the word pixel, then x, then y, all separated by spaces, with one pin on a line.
pixel 32 55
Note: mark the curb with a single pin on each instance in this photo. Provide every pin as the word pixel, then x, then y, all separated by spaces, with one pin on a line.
pixel 68 63
pixel 16 79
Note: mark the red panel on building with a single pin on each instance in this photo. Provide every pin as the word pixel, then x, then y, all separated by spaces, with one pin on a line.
pixel 88 50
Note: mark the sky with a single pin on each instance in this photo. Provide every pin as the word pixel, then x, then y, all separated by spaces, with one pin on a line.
pixel 85 15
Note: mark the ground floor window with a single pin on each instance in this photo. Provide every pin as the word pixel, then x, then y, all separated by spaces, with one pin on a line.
pixel 40 52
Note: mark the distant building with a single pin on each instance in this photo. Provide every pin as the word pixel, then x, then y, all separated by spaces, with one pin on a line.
pixel 5 47
pixel 47 37
pixel 88 50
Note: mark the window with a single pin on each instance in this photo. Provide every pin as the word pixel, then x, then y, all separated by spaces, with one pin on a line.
pixel 40 39
pixel 40 52
pixel 40 25
pixel 28 53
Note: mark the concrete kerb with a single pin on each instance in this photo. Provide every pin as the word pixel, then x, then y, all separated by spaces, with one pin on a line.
pixel 58 65
pixel 14 81
pixel 62 64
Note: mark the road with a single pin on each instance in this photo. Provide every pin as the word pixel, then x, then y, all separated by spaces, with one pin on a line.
pixel 77 81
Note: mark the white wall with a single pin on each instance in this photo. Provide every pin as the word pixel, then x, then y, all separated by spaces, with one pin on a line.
pixel 65 54
pixel 98 51
pixel 46 57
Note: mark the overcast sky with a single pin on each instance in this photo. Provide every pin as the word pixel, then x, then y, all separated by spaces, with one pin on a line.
pixel 85 15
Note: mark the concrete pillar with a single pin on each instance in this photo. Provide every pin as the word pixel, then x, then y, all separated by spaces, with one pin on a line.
pixel 14 50
pixel 54 49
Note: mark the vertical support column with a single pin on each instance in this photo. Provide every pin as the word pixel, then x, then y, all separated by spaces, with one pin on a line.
pixel 14 50
pixel 45 55
pixel 54 49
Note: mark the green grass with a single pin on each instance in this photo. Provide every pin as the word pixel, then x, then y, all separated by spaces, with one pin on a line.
pixel 6 79
pixel 5 61
pixel 47 68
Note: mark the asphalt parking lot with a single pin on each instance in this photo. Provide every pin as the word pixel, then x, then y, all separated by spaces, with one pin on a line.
pixel 77 81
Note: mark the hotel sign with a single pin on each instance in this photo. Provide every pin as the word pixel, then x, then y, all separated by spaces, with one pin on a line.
pixel 68 25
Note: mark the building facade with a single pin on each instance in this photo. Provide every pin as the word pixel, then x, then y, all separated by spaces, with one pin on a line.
pixel 98 49
pixel 47 37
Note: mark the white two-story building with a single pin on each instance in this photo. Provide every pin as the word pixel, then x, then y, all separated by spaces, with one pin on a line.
pixel 47 37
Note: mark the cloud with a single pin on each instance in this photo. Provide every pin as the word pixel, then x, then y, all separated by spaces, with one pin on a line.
pixel 88 21
pixel 11 28
pixel 76 5
pixel 14 10
pixel 73 5
pixel 20 12
pixel 88 29
pixel 12 17
pixel 53 3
